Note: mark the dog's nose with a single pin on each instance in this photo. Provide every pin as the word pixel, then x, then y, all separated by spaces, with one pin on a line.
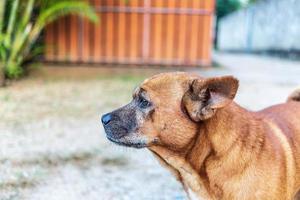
pixel 106 118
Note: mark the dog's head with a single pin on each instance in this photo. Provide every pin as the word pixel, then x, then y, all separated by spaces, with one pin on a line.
pixel 166 110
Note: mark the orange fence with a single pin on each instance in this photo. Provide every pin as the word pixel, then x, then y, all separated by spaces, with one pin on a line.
pixel 160 32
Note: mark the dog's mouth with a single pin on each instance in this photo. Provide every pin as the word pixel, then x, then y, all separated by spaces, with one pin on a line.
pixel 118 141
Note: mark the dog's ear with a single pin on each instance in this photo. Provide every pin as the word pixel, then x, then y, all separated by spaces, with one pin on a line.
pixel 205 96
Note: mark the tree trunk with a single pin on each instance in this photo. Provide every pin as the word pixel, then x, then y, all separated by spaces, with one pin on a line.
pixel 216 34
pixel 2 77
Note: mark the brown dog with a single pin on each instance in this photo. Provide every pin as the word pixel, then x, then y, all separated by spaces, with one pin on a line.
pixel 215 148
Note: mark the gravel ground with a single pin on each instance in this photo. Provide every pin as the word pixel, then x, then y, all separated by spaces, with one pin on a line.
pixel 53 146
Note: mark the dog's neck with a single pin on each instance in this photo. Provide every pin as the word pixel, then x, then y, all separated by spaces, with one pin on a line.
pixel 220 142
pixel 231 126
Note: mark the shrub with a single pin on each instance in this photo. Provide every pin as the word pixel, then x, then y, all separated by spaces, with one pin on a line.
pixel 21 22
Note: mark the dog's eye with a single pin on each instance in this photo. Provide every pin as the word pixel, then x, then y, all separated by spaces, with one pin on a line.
pixel 143 103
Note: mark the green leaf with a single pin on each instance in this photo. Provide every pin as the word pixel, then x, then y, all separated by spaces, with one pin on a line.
pixel 18 40
pixel 27 14
pixel 63 8
pixel 60 9
pixel 12 19
pixel 2 9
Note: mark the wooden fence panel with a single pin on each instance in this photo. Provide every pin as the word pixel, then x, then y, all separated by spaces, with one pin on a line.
pixel 161 32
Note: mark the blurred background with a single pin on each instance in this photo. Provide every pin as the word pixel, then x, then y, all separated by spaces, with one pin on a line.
pixel 63 63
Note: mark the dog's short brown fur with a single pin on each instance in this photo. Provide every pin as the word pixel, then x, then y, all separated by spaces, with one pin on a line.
pixel 214 147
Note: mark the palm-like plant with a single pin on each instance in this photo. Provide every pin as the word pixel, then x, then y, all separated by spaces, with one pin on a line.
pixel 21 22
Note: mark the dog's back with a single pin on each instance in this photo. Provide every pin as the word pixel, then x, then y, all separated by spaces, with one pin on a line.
pixel 295 96
pixel 286 115
pixel 286 119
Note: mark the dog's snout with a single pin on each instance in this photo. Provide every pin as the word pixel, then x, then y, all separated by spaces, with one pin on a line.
pixel 106 118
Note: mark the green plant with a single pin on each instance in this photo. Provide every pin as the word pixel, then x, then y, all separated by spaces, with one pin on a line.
pixel 21 22
pixel 223 8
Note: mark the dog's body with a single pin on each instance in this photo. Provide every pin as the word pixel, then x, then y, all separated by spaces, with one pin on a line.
pixel 243 155
pixel 215 148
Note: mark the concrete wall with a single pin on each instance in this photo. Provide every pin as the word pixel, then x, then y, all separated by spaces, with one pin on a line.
pixel 266 25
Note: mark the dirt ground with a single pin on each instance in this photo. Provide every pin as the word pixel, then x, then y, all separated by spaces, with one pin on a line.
pixel 53 146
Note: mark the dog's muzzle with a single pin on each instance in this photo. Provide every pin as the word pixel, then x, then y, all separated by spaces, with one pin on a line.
pixel 120 129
